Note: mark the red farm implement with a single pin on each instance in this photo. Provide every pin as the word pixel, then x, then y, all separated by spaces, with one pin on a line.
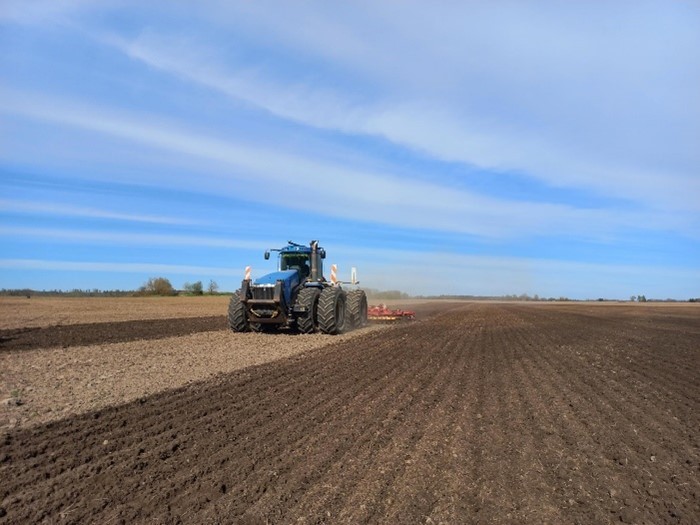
pixel 382 314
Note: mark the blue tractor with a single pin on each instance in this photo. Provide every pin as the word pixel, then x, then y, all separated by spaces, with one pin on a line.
pixel 297 296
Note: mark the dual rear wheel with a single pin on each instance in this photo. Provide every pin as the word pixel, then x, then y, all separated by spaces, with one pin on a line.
pixel 331 310
pixel 356 308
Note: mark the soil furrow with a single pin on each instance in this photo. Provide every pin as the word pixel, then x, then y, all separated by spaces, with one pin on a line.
pixel 595 412
pixel 423 483
pixel 657 444
pixel 569 446
pixel 369 392
pixel 388 461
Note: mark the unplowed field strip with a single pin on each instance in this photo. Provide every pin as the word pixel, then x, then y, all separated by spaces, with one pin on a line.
pixel 493 413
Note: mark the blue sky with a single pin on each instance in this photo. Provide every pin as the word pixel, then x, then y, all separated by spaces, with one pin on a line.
pixel 491 148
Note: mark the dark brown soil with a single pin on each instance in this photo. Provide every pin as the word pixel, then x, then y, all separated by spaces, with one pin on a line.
pixel 93 333
pixel 490 413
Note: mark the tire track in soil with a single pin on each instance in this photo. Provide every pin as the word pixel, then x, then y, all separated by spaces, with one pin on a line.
pixel 381 428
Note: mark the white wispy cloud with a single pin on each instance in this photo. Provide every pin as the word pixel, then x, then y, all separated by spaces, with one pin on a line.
pixel 571 117
pixel 133 238
pixel 142 268
pixel 66 210
pixel 188 59
pixel 336 190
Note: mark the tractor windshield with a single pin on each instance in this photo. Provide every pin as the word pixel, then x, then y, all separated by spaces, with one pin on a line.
pixel 296 261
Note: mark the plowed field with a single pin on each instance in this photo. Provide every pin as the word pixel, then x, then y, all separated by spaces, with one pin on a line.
pixel 491 413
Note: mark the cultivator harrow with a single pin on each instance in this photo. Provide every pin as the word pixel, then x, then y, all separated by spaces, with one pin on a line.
pixel 382 314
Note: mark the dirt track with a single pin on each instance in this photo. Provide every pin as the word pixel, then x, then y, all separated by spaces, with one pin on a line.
pixel 498 413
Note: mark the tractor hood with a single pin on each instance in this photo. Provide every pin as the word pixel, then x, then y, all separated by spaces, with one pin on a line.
pixel 284 275
pixel 289 278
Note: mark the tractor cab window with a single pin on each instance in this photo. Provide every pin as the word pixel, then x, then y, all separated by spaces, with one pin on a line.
pixel 295 261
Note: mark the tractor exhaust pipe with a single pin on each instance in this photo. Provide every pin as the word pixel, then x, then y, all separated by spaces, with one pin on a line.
pixel 314 260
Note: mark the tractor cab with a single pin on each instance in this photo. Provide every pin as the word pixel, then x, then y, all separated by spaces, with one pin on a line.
pixel 306 260
pixel 296 261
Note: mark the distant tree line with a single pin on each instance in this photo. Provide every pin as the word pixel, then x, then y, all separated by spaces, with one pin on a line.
pixel 161 286
pixel 155 286
pixel 76 292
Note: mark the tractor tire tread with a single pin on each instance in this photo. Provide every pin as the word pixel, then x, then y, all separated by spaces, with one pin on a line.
pixel 307 323
pixel 356 309
pixel 237 320
pixel 329 322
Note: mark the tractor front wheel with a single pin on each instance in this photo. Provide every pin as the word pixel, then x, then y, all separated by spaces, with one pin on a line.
pixel 237 320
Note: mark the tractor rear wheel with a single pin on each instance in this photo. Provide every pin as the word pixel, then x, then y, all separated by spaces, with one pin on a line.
pixel 331 311
pixel 357 308
pixel 307 322
pixel 237 320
